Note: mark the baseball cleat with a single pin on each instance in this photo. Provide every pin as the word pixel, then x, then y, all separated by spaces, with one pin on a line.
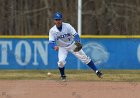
pixel 99 74
pixel 63 78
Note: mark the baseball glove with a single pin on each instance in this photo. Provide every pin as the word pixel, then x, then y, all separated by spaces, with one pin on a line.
pixel 78 46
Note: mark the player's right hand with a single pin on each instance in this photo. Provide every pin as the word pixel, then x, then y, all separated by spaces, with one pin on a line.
pixel 56 48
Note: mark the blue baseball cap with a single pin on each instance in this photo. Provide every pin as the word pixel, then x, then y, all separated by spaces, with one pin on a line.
pixel 57 15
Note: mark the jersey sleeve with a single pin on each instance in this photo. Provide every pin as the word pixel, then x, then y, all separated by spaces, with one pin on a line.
pixel 51 39
pixel 51 36
pixel 76 38
pixel 74 33
pixel 72 30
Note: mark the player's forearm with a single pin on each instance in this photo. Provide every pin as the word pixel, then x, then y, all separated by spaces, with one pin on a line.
pixel 52 44
pixel 76 37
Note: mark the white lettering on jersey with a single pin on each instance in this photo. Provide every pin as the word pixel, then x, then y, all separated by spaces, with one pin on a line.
pixel 63 38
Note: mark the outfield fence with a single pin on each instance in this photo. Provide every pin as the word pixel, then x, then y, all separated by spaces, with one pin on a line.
pixel 32 52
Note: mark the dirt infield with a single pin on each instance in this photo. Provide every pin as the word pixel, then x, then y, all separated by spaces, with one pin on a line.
pixel 69 89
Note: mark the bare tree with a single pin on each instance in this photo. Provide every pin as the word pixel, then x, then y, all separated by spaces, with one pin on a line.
pixel 99 17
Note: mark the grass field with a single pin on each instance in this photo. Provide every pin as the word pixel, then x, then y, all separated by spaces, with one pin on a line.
pixel 76 75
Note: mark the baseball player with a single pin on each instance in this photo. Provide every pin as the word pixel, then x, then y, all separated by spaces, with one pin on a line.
pixel 64 38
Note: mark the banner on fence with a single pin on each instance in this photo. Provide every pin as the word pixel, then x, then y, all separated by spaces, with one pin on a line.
pixel 34 53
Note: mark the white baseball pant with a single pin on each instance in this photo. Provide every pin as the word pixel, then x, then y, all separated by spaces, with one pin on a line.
pixel 63 52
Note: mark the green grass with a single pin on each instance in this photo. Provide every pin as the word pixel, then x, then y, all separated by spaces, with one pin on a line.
pixel 76 75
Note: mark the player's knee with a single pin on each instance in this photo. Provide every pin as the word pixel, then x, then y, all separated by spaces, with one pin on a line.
pixel 61 63
pixel 86 60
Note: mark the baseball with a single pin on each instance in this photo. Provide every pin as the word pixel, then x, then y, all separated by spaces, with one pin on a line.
pixel 49 74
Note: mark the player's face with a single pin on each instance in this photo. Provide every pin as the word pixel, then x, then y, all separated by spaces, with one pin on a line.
pixel 58 22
